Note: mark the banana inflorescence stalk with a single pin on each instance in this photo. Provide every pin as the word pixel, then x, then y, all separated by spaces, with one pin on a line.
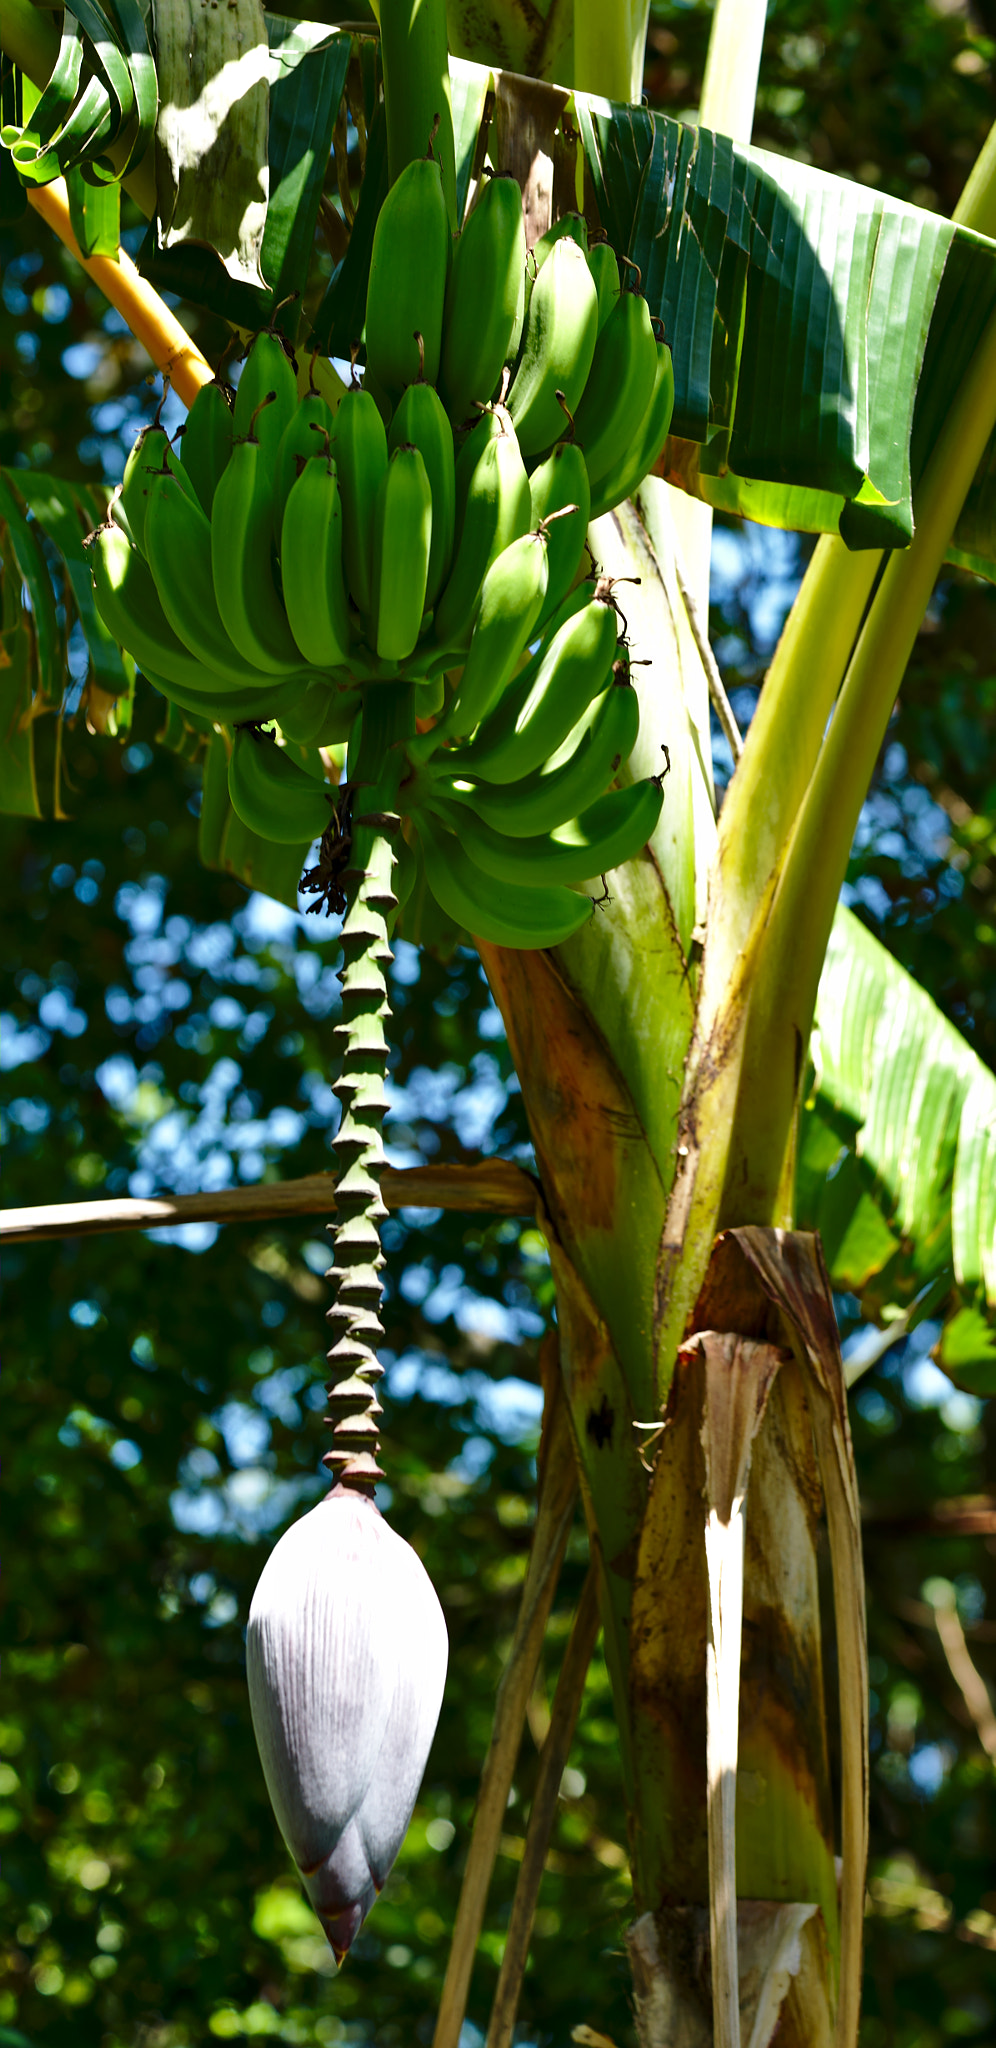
pixel 361 1048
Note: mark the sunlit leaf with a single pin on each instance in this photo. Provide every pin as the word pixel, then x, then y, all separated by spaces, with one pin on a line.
pixel 897 1161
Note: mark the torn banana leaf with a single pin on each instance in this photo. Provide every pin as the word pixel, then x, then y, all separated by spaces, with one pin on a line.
pixel 897 1155
pixel 101 97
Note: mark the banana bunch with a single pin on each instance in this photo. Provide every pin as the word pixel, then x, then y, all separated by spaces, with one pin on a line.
pixel 427 524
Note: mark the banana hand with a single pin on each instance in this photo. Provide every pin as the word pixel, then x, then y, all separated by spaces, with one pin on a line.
pixel 575 775
pixel 613 829
pixel 542 706
pixel 510 915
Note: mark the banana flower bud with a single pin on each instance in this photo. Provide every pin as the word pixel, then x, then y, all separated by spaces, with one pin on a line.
pixel 346 1656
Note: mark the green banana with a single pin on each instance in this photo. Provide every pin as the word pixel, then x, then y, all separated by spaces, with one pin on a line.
pixel 420 422
pixel 605 271
pixel 308 432
pixel 319 716
pixel 119 517
pixel 422 920
pixel 484 298
pixel 620 386
pixel 558 344
pixel 491 421
pixel 311 564
pixel 180 547
pixel 206 444
pixel 226 705
pixel 628 473
pixel 406 291
pixel 613 829
pixel 360 449
pixel 570 227
pixel 540 708
pixel 566 784
pixel 510 915
pixel 511 596
pixel 496 512
pixel 560 482
pixel 269 366
pixel 402 536
pixel 241 562
pixel 130 606
pixel 149 458
pixel 271 794
pixel 405 873
pixel 308 711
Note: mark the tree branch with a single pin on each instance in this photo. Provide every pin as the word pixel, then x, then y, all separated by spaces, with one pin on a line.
pixel 494 1185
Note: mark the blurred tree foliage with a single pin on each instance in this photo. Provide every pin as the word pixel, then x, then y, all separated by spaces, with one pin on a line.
pixel 161 1031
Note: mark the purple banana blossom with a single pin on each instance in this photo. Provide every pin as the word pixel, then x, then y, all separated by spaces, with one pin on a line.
pixel 346 1654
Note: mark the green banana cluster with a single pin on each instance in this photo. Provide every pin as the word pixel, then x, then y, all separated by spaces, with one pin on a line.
pixel 426 526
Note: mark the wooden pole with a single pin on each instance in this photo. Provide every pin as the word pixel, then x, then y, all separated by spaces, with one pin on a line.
pixel 490 1184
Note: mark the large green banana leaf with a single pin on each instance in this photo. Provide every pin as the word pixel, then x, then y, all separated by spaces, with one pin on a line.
pixel 897 1160
pixel 818 328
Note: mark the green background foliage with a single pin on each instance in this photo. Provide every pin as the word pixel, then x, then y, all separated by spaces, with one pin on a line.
pixel 162 1031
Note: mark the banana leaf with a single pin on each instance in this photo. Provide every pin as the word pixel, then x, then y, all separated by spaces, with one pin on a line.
pixel 95 213
pixel 306 70
pixel 897 1156
pixel 65 515
pixel 818 329
pixel 102 93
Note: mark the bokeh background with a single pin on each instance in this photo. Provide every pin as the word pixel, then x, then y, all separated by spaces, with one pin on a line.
pixel 163 1031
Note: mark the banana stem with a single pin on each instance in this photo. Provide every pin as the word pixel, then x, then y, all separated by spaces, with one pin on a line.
pixel 417 98
pixel 150 320
pixel 609 44
pixel 361 1043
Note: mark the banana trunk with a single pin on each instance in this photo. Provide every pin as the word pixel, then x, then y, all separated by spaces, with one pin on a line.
pixel 739 1927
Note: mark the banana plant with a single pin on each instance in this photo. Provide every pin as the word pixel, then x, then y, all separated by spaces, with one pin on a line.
pixel 722 1068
